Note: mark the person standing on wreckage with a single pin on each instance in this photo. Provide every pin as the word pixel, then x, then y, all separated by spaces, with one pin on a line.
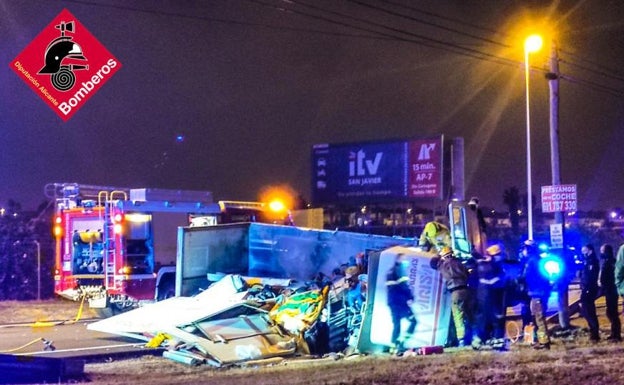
pixel 400 299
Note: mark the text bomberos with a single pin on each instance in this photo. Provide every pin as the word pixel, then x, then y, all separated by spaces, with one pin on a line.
pixel 66 106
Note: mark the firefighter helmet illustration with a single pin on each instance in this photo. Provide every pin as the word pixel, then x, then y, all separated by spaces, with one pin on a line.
pixel 58 50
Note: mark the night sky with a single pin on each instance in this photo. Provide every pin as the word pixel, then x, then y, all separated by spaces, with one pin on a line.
pixel 230 95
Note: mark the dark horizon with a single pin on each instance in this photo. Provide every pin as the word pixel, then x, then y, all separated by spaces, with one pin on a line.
pixel 231 96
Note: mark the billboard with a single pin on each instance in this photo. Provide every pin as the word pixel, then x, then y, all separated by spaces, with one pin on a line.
pixel 425 169
pixel 377 172
pixel 559 198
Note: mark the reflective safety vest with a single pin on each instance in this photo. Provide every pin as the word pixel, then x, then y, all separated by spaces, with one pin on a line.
pixel 436 235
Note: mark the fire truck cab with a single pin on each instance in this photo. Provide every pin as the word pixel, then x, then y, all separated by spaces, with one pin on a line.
pixel 117 246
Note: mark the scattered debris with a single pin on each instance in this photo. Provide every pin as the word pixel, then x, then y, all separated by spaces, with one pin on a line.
pixel 240 320
pixel 228 323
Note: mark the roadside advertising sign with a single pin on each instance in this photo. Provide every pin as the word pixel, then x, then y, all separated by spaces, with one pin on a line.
pixel 358 172
pixel 377 171
pixel 425 168
pixel 559 198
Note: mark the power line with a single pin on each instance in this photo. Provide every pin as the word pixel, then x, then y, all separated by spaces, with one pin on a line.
pixel 588 83
pixel 225 21
pixel 593 85
pixel 425 22
pixel 378 35
pixel 602 71
pixel 442 17
pixel 422 39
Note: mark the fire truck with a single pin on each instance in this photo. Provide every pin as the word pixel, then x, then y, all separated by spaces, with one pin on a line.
pixel 117 246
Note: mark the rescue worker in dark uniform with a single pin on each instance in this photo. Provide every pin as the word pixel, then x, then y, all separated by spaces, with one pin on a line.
pixel 606 280
pixel 562 287
pixel 456 275
pixel 538 288
pixel 491 305
pixel 589 290
pixel 520 293
pixel 399 300
pixel 354 297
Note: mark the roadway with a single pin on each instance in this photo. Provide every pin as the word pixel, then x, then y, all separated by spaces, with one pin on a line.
pixel 67 340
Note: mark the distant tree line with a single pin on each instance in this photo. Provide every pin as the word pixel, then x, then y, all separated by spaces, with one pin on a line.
pixel 26 242
pixel 26 239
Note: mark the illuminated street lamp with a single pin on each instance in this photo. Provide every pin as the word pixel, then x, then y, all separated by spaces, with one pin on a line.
pixel 532 43
pixel 277 206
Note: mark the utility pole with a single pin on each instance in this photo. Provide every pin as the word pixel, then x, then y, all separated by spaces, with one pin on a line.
pixel 553 83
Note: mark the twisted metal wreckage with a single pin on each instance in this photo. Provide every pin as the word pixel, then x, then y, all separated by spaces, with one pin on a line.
pixel 271 308
pixel 238 319
pixel 253 292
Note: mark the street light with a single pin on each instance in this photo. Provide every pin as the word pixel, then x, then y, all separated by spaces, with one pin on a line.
pixel 532 43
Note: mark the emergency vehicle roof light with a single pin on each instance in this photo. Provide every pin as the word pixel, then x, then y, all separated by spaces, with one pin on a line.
pixel 551 267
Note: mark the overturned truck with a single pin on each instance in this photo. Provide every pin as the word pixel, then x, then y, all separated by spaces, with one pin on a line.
pixel 255 291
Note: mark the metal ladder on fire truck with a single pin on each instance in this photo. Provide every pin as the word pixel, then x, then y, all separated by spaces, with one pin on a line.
pixel 110 200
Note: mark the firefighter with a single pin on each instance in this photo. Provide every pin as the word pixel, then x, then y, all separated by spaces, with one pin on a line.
pixel 491 304
pixel 354 297
pixel 538 288
pixel 400 299
pixel 606 281
pixel 589 290
pixel 456 276
pixel 435 235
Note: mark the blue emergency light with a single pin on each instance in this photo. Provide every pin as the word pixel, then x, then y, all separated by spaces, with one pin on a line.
pixel 551 266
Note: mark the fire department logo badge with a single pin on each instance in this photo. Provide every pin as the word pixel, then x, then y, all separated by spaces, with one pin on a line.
pixel 65 65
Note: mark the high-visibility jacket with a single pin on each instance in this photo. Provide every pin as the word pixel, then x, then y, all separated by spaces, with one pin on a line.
pixel 436 235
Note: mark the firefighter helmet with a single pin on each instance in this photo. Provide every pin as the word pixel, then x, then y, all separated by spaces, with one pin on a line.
pixel 494 250
pixel 57 51
pixel 446 252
